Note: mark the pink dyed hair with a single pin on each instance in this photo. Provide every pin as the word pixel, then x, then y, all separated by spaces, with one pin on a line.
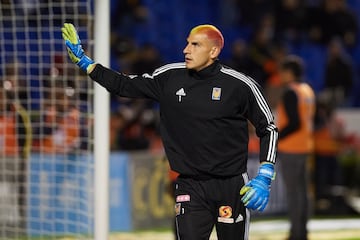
pixel 212 33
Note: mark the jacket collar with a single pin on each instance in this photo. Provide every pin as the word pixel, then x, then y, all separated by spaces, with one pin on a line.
pixel 207 72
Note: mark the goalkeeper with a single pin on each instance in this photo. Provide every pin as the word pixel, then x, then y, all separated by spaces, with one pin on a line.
pixel 204 108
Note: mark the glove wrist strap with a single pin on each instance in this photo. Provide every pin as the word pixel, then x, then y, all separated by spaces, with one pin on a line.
pixel 84 62
pixel 267 170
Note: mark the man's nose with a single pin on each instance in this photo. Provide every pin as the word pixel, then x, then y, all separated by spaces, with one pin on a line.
pixel 186 49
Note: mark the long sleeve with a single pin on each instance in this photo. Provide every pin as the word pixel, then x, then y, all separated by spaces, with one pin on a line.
pixel 134 86
pixel 262 118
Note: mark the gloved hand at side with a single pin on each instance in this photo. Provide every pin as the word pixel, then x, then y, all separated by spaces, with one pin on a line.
pixel 257 190
pixel 74 48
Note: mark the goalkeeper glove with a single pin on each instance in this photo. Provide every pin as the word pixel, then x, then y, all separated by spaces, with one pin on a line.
pixel 257 190
pixel 74 48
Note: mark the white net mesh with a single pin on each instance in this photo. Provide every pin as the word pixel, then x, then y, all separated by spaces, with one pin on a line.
pixel 46 165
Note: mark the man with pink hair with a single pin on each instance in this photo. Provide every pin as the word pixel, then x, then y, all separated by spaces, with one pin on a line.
pixel 204 109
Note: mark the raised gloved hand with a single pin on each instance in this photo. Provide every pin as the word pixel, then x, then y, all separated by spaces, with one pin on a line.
pixel 74 48
pixel 257 190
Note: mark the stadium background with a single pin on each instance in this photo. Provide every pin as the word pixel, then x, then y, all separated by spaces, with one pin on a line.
pixel 164 25
pixel 138 170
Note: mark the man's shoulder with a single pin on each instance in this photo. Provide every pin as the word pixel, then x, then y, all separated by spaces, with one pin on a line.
pixel 169 67
pixel 237 75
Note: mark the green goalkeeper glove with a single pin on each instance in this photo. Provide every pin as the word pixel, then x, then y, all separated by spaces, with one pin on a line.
pixel 74 48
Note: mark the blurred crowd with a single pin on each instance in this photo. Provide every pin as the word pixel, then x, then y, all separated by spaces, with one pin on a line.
pixel 268 32
pixel 258 36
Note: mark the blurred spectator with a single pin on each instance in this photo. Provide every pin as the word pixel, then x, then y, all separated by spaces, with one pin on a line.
pixel 252 11
pixel 60 126
pixel 260 50
pixel 117 123
pixel 239 57
pixel 15 142
pixel 295 117
pixel 16 120
pixel 15 75
pixel 263 60
pixel 339 74
pixel 126 14
pixel 151 121
pixel 131 132
pixel 333 19
pixel 124 51
pixel 65 75
pixel 147 60
pixel 329 135
pixel 138 117
pixel 273 85
pixel 290 20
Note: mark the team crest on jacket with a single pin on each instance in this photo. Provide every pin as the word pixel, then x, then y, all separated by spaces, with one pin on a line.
pixel 216 93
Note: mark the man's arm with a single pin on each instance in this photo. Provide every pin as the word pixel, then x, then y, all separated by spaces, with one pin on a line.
pixel 261 117
pixel 257 191
pixel 133 86
pixel 123 85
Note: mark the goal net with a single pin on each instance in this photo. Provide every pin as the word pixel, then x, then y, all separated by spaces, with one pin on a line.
pixel 46 161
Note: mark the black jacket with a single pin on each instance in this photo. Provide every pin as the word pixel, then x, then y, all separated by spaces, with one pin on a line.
pixel 203 114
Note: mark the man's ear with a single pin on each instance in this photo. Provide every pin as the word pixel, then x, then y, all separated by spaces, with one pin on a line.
pixel 215 51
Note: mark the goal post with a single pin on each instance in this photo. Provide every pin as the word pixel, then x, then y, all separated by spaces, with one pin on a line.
pixel 101 128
